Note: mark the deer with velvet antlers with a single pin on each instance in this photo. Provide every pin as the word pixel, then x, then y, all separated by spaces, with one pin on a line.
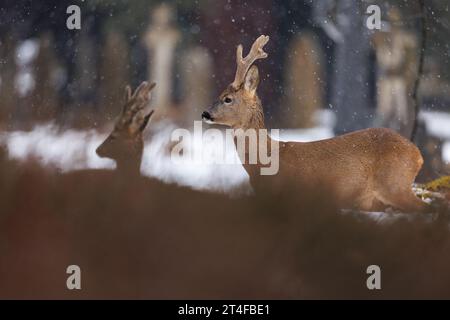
pixel 369 169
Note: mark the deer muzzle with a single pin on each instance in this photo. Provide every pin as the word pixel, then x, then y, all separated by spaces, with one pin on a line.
pixel 206 116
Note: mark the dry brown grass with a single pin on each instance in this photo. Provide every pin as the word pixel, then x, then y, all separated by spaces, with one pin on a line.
pixel 139 238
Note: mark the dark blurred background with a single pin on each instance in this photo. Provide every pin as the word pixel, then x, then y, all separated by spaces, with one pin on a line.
pixel 321 56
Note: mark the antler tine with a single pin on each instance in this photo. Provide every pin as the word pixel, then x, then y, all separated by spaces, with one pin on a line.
pixel 142 92
pixel 143 89
pixel 131 110
pixel 243 64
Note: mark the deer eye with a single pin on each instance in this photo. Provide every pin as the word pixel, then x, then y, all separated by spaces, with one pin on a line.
pixel 228 100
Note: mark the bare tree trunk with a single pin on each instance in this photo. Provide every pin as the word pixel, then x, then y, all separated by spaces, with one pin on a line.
pixel 351 90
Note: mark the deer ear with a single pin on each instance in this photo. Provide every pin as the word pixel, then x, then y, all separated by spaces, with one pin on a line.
pixel 251 80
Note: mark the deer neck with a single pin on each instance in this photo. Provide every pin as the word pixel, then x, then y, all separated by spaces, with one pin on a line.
pixel 130 163
pixel 129 167
pixel 254 121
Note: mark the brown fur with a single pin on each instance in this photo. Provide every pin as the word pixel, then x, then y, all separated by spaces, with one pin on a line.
pixel 367 170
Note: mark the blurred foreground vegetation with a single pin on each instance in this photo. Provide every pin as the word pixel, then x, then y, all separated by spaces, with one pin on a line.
pixel 140 238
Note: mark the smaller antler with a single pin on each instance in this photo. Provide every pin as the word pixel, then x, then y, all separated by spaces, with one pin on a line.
pixel 243 64
pixel 132 116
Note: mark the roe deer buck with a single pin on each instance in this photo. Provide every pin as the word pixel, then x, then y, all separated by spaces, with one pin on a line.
pixel 125 143
pixel 366 170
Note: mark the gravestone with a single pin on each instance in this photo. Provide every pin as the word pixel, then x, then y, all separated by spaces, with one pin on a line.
pixel 161 40
pixel 304 81
pixel 396 52
pixel 197 82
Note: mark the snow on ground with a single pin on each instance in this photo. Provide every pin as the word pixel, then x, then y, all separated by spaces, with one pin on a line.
pixel 206 175
pixel 66 150
pixel 446 151
pixel 438 123
pixel 384 218
pixel 70 150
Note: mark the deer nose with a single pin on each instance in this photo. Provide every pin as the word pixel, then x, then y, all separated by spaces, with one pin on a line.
pixel 206 115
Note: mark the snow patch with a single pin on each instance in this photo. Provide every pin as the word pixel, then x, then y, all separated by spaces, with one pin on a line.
pixel 438 123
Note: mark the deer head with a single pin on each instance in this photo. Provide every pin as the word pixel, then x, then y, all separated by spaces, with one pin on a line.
pixel 239 106
pixel 125 143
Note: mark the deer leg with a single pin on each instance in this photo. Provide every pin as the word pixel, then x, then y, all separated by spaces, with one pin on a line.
pixel 411 203
pixel 365 202
pixel 404 200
